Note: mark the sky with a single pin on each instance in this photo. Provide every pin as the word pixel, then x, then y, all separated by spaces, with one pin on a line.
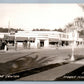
pixel 40 15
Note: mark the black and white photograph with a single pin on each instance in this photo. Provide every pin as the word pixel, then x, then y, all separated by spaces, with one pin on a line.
pixel 41 42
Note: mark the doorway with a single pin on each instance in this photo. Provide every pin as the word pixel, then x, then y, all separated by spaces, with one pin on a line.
pixel 41 43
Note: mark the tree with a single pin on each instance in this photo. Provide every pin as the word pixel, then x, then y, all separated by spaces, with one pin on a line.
pixel 69 27
pixel 81 32
pixel 79 23
pixel 82 6
pixel 35 29
pixel 55 30
pixel 60 30
pixel 40 29
pixel 5 30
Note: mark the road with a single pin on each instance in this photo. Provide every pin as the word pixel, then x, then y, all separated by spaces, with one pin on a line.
pixel 56 55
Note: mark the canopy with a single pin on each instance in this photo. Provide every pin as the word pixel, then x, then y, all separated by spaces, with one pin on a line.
pixel 53 40
pixel 21 38
pixel 32 38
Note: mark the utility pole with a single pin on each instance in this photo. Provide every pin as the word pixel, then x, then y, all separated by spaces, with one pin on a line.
pixel 73 47
pixel 9 26
pixel 5 48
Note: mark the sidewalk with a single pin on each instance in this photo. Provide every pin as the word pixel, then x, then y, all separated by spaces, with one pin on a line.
pixel 54 73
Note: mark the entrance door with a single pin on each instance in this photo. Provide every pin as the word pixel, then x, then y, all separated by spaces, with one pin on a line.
pixel 63 42
pixel 41 43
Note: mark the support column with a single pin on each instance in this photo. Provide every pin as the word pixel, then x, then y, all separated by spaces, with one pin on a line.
pixel 74 43
pixel 37 43
pixel 15 43
pixel 5 48
pixel 46 43
pixel 72 55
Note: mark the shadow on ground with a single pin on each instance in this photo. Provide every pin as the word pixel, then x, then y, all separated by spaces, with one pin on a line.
pixel 26 65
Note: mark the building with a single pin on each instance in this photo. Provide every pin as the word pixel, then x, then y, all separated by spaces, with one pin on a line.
pixel 43 39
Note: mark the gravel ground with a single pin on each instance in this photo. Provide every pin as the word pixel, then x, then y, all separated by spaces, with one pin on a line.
pixel 44 56
pixel 56 55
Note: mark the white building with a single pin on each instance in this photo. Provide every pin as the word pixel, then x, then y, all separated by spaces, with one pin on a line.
pixel 45 39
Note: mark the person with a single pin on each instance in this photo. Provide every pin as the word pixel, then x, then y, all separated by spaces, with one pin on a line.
pixel 25 44
pixel 15 45
pixel 29 45
pixel 38 45
pixel 55 45
pixel 5 46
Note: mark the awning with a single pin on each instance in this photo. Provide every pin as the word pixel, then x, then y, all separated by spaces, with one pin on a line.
pixel 21 38
pixel 53 40
pixel 6 37
pixel 9 38
pixel 32 38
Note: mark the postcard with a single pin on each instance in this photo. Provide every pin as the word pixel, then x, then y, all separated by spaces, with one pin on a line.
pixel 41 42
